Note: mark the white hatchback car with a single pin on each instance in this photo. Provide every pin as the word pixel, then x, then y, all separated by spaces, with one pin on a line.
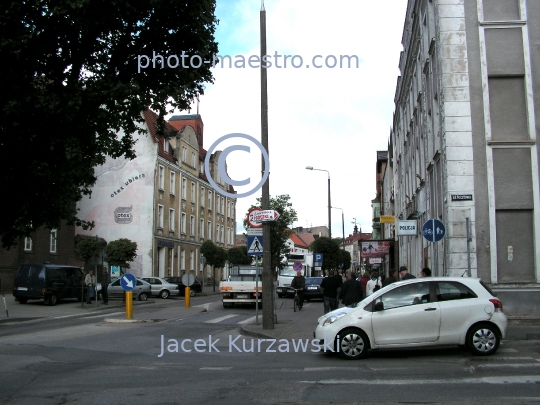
pixel 435 311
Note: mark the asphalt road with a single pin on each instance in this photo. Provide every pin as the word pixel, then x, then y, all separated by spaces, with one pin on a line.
pixel 71 355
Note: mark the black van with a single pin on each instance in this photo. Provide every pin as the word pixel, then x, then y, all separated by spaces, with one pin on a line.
pixel 50 282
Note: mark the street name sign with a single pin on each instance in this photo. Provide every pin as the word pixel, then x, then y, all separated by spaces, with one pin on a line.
pixel 433 230
pixel 254 232
pixel 266 216
pixel 386 219
pixel 128 282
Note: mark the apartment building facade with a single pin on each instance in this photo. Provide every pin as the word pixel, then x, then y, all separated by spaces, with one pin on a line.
pixel 464 138
pixel 163 201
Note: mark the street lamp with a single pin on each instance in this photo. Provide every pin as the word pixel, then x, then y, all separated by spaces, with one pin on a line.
pixel 342 224
pixel 329 205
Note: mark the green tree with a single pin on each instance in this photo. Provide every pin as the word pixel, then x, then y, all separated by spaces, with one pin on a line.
pixel 279 231
pixel 238 256
pixel 120 252
pixel 344 258
pixel 72 81
pixel 330 250
pixel 87 248
pixel 215 256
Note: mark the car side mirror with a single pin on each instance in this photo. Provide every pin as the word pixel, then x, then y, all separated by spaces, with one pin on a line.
pixel 379 306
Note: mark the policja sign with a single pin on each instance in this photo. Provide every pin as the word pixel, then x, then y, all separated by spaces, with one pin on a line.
pixel 407 228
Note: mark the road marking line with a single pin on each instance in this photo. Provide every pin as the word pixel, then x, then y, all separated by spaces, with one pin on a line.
pixel 215 368
pixel 507 351
pixel 518 379
pixel 331 368
pixel 249 320
pixel 98 316
pixel 523 365
pixel 221 318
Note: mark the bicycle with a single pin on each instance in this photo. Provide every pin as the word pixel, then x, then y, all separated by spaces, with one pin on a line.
pixel 296 303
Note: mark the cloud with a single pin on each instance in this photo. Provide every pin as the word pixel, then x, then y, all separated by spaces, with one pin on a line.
pixel 331 119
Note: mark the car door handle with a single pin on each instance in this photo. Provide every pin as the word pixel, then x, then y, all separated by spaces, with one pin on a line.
pixel 430 309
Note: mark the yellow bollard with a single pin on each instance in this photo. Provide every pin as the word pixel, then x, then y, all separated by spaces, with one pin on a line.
pixel 129 305
pixel 187 300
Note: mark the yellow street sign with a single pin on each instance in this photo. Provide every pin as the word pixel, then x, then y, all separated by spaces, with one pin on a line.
pixel 387 219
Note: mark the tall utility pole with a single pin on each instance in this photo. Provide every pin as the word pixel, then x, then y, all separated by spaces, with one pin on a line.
pixel 268 274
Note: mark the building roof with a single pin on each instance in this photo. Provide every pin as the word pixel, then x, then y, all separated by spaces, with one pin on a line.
pixel 308 238
pixel 151 121
pixel 298 241
pixel 184 117
pixel 349 240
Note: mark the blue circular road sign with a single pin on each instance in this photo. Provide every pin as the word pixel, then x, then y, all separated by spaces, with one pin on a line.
pixel 433 230
pixel 128 282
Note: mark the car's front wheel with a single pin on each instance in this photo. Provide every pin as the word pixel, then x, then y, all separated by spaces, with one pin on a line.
pixel 483 339
pixel 352 344
pixel 143 297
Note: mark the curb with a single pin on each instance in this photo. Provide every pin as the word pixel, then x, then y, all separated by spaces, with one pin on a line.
pixel 116 320
pixel 254 334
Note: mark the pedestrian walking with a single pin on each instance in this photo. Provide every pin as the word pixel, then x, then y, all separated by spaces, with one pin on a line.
pixel 404 273
pixel 363 281
pixel 392 277
pixel 374 284
pixel 105 281
pixel 351 291
pixel 426 272
pixel 90 282
pixel 331 288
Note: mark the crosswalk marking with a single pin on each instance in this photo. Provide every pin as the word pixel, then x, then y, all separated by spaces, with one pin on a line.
pixel 216 368
pixel 216 320
pixel 249 320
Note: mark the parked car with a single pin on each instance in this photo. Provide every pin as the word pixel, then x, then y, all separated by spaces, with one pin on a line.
pixel 50 282
pixel 161 287
pixel 438 311
pixel 141 292
pixel 313 288
pixel 195 288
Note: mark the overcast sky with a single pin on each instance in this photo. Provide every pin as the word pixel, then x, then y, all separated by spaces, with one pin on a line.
pixel 329 118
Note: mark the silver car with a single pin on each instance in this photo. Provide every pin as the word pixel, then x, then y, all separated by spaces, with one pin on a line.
pixel 161 287
pixel 141 291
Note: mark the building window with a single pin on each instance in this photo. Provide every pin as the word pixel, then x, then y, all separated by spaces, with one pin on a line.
pixel 173 181
pixel 192 192
pixel 201 230
pixel 217 204
pixel 222 211
pixel 209 199
pixel 54 236
pixel 160 216
pixel 227 236
pixel 209 229
pixel 192 260
pixel 217 234
pixel 161 178
pixel 28 244
pixel 228 209
pixel 202 197
pixel 222 237
pixel 165 145
pixel 192 226
pixel 183 222
pixel 182 259
pixel 184 154
pixel 171 220
pixel 193 160
pixel 184 188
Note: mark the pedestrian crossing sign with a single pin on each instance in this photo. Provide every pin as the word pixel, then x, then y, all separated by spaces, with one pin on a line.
pixel 255 245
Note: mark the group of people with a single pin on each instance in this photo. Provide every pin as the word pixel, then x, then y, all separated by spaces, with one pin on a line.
pixel 353 289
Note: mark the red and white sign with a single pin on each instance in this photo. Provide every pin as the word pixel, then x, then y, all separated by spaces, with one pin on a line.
pixel 251 218
pixel 268 215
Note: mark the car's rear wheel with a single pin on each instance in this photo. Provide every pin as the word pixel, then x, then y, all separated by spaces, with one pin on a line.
pixel 143 297
pixel 352 344
pixel 483 339
pixel 164 294
pixel 53 300
pixel 23 300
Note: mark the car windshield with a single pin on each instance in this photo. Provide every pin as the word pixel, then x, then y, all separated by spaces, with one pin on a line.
pixel 287 272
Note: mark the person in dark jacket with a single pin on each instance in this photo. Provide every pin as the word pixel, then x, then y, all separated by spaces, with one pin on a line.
pixel 351 291
pixel 105 281
pixel 330 288
pixel 299 283
pixel 392 277
pixel 404 273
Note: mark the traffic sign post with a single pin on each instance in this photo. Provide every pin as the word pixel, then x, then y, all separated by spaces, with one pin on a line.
pixel 297 266
pixel 128 283
pixel 252 220
pixel 255 245
pixel 187 279
pixel 318 259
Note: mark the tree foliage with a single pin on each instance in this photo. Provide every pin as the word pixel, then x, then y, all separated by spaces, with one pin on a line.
pixel 71 83
pixel 238 256
pixel 344 258
pixel 120 252
pixel 330 251
pixel 215 255
pixel 87 248
pixel 279 231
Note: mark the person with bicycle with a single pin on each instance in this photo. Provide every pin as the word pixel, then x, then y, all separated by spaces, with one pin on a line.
pixel 299 283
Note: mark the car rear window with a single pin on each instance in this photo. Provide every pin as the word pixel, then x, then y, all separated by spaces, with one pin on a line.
pixel 451 290
pixel 489 290
pixel 316 281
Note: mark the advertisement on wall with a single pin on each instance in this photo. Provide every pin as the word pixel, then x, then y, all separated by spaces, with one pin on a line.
pixel 375 249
